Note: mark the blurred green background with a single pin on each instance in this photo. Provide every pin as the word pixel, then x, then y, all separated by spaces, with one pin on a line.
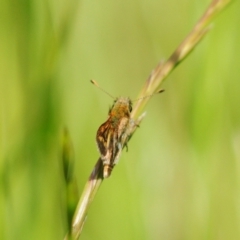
pixel 180 178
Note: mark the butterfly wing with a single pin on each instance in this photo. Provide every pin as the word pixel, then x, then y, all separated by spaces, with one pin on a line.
pixel 110 141
pixel 105 141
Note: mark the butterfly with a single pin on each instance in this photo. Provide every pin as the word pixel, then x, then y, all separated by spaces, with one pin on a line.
pixel 113 135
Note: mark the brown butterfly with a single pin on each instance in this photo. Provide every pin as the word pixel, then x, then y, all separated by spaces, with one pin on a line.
pixel 113 135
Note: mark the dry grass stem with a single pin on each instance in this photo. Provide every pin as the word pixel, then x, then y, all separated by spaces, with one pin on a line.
pixel 151 86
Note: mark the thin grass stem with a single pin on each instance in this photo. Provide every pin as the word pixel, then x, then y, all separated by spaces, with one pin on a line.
pixel 152 85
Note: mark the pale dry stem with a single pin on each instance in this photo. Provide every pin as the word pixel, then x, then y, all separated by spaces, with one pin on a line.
pixel 151 86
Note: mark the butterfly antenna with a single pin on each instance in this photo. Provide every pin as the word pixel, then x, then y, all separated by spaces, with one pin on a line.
pixel 96 84
pixel 160 91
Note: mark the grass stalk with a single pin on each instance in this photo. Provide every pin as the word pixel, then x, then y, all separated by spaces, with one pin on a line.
pixel 152 85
